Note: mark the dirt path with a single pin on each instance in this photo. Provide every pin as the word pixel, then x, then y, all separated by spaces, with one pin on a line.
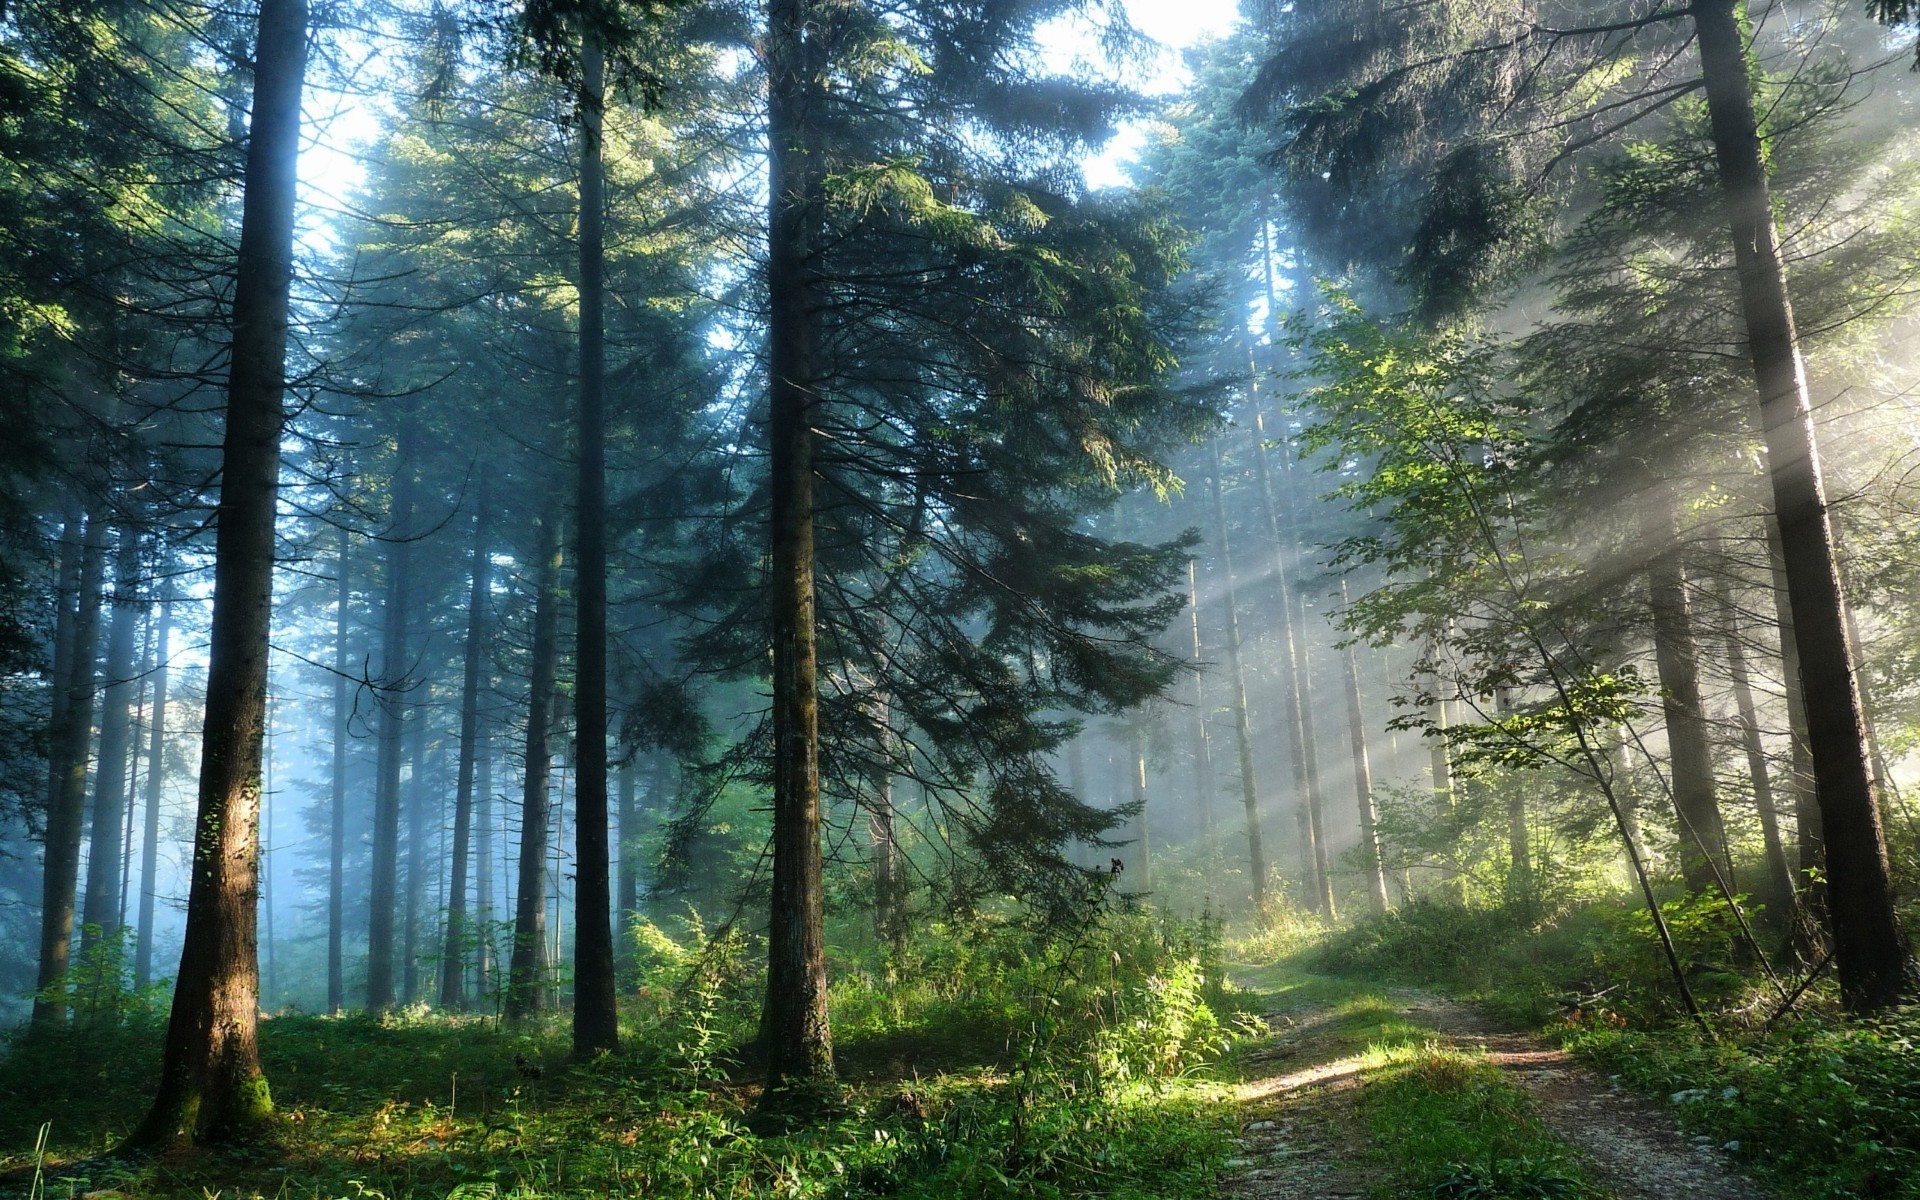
pixel 1303 1140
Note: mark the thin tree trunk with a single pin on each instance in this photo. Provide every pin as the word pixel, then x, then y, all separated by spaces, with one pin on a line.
pixel 1300 686
pixel 1293 683
pixel 414 806
pixel 627 881
pixel 483 873
pixel 1779 875
pixel 596 1024
pixel 1316 819
pixel 67 801
pixel 211 1088
pixel 1202 744
pixel 453 959
pixel 383 896
pixel 1372 861
pixel 1137 772
pixel 266 856
pixel 337 799
pixel 1077 784
pixel 1519 840
pixel 134 726
pixel 1870 952
pixel 795 1025
pixel 1237 689
pixel 156 775
pixel 100 913
pixel 1703 842
pixel 527 964
pixel 1440 775
pixel 888 923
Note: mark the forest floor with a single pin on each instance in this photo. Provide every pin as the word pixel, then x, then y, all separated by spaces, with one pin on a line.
pixel 1374 1092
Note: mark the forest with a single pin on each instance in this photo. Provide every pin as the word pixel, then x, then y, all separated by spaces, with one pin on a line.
pixel 959 598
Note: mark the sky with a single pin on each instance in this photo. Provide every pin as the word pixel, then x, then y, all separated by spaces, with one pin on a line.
pixel 1175 24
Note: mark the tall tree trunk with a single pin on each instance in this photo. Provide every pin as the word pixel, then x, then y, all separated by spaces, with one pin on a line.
pixel 889 924
pixel 211 1088
pixel 627 879
pixel 1779 875
pixel 483 873
pixel 67 800
pixel 1307 774
pixel 1293 680
pixel 1372 862
pixel 1202 744
pixel 1137 774
pixel 267 808
pixel 1316 813
pixel 1237 688
pixel 1081 853
pixel 414 806
pixel 527 964
pixel 596 1024
pixel 1520 881
pixel 100 913
pixel 156 775
pixel 798 1038
pixel 337 798
pixel 453 960
pixel 384 894
pixel 1440 775
pixel 1870 952
pixel 1703 841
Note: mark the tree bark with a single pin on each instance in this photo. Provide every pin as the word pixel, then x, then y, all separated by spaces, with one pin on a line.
pixel 1779 875
pixel 100 912
pixel 1703 839
pixel 156 775
pixel 1316 820
pixel 414 806
pixel 1237 689
pixel 337 798
pixel 1808 843
pixel 596 1024
pixel 798 1037
pixel 383 895
pixel 1372 861
pixel 1137 773
pixel 483 873
pixel 1298 688
pixel 67 799
pixel 1202 744
pixel 211 1087
pixel 1870 951
pixel 627 879
pixel 527 964
pixel 453 960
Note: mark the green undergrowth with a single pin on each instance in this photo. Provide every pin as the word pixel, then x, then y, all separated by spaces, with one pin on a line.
pixel 1452 1126
pixel 1819 1104
pixel 1023 1065
pixel 1828 1108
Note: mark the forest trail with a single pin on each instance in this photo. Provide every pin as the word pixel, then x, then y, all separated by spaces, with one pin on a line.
pixel 1304 1136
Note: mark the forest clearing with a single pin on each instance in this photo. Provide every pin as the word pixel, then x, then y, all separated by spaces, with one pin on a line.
pixel 959 598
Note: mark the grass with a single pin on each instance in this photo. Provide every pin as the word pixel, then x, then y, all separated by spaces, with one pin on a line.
pixel 1439 1122
pixel 1819 1104
pixel 943 1095
pixel 1449 1125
